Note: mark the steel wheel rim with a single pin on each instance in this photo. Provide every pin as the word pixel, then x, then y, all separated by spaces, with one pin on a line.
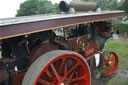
pixel 77 74
pixel 110 63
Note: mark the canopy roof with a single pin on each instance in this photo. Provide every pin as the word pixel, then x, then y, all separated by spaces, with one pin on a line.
pixel 12 27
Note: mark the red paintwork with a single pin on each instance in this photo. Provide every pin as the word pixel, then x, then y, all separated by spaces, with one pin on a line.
pixel 63 73
pixel 93 45
pixel 89 52
pixel 41 49
pixel 8 59
pixel 74 45
pixel 17 80
pixel 109 70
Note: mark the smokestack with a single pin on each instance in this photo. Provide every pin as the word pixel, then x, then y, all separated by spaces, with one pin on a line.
pixel 78 6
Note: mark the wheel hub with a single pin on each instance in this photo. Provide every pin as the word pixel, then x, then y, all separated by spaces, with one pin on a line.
pixel 107 62
pixel 110 62
pixel 64 83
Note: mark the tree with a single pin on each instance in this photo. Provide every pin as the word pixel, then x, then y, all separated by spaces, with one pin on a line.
pixel 33 7
pixel 27 8
pixel 104 4
pixel 124 7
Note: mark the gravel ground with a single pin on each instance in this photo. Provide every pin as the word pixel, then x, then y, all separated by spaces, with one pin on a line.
pixel 102 81
pixel 120 75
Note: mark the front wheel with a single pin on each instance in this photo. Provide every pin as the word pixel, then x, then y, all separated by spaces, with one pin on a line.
pixel 58 68
pixel 110 62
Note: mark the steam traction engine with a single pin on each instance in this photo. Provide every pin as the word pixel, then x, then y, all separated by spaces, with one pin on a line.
pixel 61 49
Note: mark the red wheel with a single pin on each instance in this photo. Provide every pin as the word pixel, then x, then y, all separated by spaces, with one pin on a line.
pixel 58 68
pixel 110 62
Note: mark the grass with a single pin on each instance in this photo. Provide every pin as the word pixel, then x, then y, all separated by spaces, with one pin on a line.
pixel 121 48
pixel 116 81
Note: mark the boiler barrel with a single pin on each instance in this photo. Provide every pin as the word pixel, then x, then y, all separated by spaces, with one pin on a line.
pixel 78 6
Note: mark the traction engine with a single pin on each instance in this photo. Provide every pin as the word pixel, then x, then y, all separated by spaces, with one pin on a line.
pixel 86 39
pixel 70 55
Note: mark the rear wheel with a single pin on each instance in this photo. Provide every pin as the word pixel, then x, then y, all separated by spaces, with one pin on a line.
pixel 110 62
pixel 58 68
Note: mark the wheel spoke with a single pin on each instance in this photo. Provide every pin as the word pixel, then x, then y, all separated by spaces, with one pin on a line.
pixel 49 74
pixel 45 82
pixel 105 58
pixel 70 77
pixel 105 68
pixel 77 79
pixel 65 70
pixel 106 62
pixel 113 58
pixel 72 74
pixel 62 65
pixel 60 68
pixel 110 67
pixel 113 61
pixel 73 68
pixel 109 56
pixel 55 72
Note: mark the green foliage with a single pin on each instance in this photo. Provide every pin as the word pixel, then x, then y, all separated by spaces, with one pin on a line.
pixel 27 8
pixel 106 4
pixel 33 7
pixel 122 27
pixel 124 7
pixel 44 7
pixel 113 6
